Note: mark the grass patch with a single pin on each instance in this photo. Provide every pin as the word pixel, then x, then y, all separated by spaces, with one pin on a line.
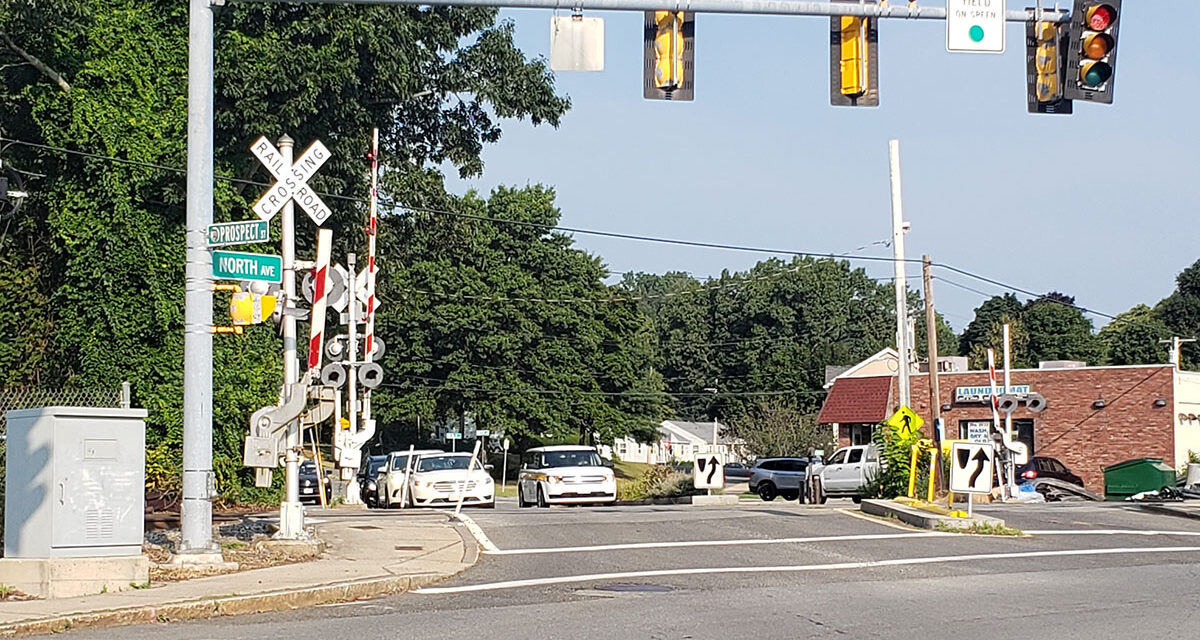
pixel 506 491
pixel 983 529
pixel 630 470
pixel 140 585
pixel 233 544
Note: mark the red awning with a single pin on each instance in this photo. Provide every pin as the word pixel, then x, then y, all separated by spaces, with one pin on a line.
pixel 857 400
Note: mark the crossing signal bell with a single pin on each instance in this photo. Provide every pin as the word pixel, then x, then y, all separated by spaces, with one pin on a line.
pixel 854 61
pixel 1092 58
pixel 670 55
pixel 1046 44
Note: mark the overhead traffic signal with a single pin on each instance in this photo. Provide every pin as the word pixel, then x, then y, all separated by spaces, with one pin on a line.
pixel 853 61
pixel 670 55
pixel 1046 43
pixel 1092 56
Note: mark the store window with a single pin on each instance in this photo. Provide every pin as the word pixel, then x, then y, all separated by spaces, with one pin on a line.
pixel 861 433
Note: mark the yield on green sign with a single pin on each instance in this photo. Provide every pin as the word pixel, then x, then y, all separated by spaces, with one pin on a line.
pixel 975 26
pixel 244 232
pixel 236 265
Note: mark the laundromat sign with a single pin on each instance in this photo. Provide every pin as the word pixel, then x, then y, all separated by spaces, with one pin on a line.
pixel 984 394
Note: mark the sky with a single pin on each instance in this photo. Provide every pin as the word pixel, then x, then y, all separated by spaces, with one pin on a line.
pixel 1101 205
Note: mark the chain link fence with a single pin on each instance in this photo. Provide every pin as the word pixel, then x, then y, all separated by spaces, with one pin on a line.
pixel 38 397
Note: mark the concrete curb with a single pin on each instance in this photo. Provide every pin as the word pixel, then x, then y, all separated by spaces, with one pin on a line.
pixel 230 605
pixel 923 519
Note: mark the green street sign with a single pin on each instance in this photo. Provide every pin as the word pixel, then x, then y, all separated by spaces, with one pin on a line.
pixel 236 265
pixel 243 232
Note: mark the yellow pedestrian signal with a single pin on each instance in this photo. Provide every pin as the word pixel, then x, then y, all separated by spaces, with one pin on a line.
pixel 668 49
pixel 1046 61
pixel 250 308
pixel 669 55
pixel 853 60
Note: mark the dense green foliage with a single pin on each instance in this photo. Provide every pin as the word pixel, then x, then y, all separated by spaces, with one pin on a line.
pixel 778 428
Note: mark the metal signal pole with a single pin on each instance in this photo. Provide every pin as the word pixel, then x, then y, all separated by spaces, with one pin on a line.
pixel 899 227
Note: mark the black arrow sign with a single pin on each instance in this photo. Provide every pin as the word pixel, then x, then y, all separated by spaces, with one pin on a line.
pixel 712 468
pixel 980 458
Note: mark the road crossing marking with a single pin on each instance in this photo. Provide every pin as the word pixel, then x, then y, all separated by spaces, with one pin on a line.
pixel 714 543
pixel 841 566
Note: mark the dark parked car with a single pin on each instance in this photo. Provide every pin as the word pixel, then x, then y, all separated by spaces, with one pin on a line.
pixel 737 471
pixel 367 484
pixel 1042 467
pixel 308 483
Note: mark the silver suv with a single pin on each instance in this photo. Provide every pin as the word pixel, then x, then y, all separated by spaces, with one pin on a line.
pixel 785 477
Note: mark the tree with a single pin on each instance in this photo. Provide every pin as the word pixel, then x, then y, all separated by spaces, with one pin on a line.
pixel 778 427
pixel 986 316
pixel 1018 339
pixel 1132 337
pixel 512 324
pixel 1180 312
pixel 92 288
pixel 1058 331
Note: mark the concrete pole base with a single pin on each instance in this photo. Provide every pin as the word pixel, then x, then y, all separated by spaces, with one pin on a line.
pixel 201 560
pixel 291 522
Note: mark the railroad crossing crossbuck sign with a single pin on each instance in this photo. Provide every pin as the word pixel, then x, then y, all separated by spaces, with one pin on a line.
pixel 971 467
pixel 708 472
pixel 292 181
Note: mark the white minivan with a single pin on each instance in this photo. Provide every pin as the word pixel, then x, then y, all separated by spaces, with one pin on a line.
pixel 565 474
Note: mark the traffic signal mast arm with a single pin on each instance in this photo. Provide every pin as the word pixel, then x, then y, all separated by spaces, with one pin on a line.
pixel 756 7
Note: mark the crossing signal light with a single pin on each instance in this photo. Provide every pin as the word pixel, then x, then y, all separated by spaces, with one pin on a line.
pixel 1046 43
pixel 670 55
pixel 251 308
pixel 1092 57
pixel 853 61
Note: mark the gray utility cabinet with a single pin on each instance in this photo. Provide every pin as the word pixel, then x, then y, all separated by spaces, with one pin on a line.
pixel 76 482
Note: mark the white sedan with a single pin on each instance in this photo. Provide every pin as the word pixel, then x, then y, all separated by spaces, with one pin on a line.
pixel 443 479
pixel 565 475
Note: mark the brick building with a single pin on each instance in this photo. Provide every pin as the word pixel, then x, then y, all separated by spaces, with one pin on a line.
pixel 1095 416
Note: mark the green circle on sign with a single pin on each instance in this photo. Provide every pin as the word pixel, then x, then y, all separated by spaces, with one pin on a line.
pixel 976 33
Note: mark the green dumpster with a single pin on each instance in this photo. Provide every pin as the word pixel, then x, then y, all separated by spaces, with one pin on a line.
pixel 1135 476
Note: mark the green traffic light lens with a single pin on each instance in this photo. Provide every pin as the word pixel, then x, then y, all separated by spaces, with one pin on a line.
pixel 1095 74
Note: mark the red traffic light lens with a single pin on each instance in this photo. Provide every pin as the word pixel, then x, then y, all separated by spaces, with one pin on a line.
pixel 1096 46
pixel 1101 17
pixel 1094 74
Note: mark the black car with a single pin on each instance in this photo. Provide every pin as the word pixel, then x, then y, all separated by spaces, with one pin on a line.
pixel 367 489
pixel 1043 467
pixel 308 483
pixel 737 471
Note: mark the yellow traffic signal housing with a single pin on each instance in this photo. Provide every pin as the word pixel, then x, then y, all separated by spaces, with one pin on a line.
pixel 853 61
pixel 669 55
pixel 1046 43
pixel 251 308
pixel 1092 52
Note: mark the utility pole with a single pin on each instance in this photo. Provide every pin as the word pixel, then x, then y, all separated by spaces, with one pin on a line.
pixel 899 227
pixel 195 513
pixel 291 512
pixel 1176 344
pixel 935 396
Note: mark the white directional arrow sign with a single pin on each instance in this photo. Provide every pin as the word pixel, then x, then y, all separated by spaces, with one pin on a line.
pixel 292 182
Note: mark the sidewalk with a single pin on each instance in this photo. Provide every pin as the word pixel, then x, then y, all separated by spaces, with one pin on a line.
pixel 365 558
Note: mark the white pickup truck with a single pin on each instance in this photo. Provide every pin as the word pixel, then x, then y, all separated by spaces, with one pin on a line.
pixel 847 471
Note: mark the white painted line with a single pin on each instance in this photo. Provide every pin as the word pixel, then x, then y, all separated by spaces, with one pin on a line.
pixel 882 521
pixel 714 543
pixel 626 575
pixel 1108 532
pixel 477 532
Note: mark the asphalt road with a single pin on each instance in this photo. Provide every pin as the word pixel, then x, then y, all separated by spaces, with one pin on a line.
pixel 778 570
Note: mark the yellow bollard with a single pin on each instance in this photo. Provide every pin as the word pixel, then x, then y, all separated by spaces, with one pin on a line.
pixel 912 472
pixel 933 455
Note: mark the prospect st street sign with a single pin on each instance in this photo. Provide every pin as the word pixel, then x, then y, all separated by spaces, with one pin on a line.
pixel 236 265
pixel 244 232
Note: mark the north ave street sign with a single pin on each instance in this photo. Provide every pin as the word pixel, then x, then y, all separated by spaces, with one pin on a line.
pixel 243 232
pixel 236 265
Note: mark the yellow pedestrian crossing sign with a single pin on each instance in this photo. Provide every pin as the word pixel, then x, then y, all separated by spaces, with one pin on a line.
pixel 906 420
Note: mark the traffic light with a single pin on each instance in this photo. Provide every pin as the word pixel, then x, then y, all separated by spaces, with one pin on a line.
pixel 1092 53
pixel 670 55
pixel 251 308
pixel 853 61
pixel 1046 43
